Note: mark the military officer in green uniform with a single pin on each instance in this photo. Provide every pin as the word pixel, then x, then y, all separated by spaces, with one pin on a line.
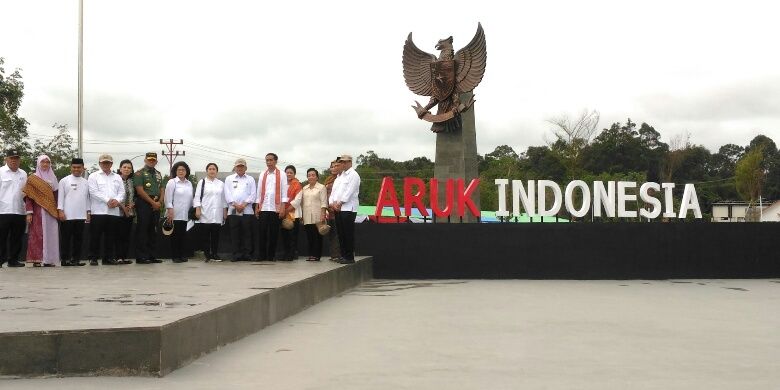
pixel 150 193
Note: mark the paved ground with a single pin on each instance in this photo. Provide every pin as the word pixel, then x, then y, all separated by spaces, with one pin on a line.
pixel 64 298
pixel 701 334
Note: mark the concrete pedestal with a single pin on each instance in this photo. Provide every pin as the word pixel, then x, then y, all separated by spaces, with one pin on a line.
pixel 148 320
pixel 456 158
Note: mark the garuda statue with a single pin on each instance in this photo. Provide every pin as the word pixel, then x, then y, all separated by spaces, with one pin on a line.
pixel 445 78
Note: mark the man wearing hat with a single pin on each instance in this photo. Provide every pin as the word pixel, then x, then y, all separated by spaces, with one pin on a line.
pixel 12 211
pixel 150 191
pixel 106 193
pixel 344 200
pixel 73 208
pixel 240 195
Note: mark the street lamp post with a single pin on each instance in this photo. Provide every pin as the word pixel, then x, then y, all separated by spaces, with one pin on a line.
pixel 81 81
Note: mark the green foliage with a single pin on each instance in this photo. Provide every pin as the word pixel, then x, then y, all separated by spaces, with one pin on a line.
pixel 373 169
pixel 750 174
pixel 59 149
pixel 13 128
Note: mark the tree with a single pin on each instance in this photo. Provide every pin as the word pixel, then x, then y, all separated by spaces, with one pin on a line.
pixel 502 163
pixel 13 128
pixel 749 175
pixel 770 165
pixel 672 160
pixel 59 149
pixel 724 162
pixel 572 135
pixel 616 149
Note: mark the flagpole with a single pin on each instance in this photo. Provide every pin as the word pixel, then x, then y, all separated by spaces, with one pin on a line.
pixel 81 81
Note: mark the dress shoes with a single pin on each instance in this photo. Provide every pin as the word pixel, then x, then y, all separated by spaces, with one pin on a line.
pixel 66 263
pixel 77 263
pixel 124 261
pixel 15 264
pixel 155 261
pixel 49 265
pixel 177 260
pixel 142 261
pixel 93 262
pixel 110 262
pixel 345 261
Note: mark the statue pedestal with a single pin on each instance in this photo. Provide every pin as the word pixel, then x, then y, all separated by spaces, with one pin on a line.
pixel 456 158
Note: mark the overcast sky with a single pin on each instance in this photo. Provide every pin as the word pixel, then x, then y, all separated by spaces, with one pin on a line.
pixel 311 80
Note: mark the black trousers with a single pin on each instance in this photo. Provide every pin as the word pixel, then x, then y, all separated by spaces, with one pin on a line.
pixel 103 228
pixel 124 227
pixel 178 240
pixel 241 235
pixel 290 240
pixel 333 239
pixel 71 238
pixel 345 223
pixel 209 238
pixel 11 235
pixel 269 234
pixel 146 230
pixel 314 240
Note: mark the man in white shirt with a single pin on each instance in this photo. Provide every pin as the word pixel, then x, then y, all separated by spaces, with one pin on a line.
pixel 240 196
pixel 271 202
pixel 344 200
pixel 106 193
pixel 12 212
pixel 73 207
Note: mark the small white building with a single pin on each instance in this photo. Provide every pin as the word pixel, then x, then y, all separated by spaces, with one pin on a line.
pixel 734 211
pixel 771 213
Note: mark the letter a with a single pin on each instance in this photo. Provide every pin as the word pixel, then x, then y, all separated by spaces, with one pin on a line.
pixel 387 197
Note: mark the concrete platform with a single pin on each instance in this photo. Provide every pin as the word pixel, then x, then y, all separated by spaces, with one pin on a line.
pixel 498 334
pixel 147 320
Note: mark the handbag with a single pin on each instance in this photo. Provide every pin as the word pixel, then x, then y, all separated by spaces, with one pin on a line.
pixel 191 213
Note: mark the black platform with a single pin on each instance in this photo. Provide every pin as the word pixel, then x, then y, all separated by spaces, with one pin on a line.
pixel 572 250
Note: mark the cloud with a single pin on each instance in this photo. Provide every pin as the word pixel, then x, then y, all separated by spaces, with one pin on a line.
pixel 753 99
pixel 310 137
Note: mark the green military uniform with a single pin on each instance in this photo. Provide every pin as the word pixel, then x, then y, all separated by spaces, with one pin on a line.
pixel 150 179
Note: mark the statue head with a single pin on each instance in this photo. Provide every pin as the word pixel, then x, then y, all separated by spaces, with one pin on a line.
pixel 444 44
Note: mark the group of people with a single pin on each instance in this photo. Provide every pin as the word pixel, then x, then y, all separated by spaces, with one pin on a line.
pixel 55 213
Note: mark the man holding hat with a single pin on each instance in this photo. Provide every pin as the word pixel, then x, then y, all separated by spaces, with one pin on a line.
pixel 106 193
pixel 12 211
pixel 344 200
pixel 240 195
pixel 73 207
pixel 149 189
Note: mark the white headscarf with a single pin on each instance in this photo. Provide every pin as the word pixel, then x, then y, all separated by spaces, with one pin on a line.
pixel 47 175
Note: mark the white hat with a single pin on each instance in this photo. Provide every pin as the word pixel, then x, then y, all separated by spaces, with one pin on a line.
pixel 167 228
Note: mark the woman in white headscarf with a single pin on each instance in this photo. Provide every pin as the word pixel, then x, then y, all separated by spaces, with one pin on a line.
pixel 43 244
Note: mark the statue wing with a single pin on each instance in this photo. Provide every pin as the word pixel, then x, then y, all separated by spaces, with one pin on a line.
pixel 470 62
pixel 417 68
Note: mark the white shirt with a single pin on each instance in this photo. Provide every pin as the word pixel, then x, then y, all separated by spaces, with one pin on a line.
pixel 178 196
pixel 213 203
pixel 102 188
pixel 11 186
pixel 240 189
pixel 269 201
pixel 346 189
pixel 73 197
